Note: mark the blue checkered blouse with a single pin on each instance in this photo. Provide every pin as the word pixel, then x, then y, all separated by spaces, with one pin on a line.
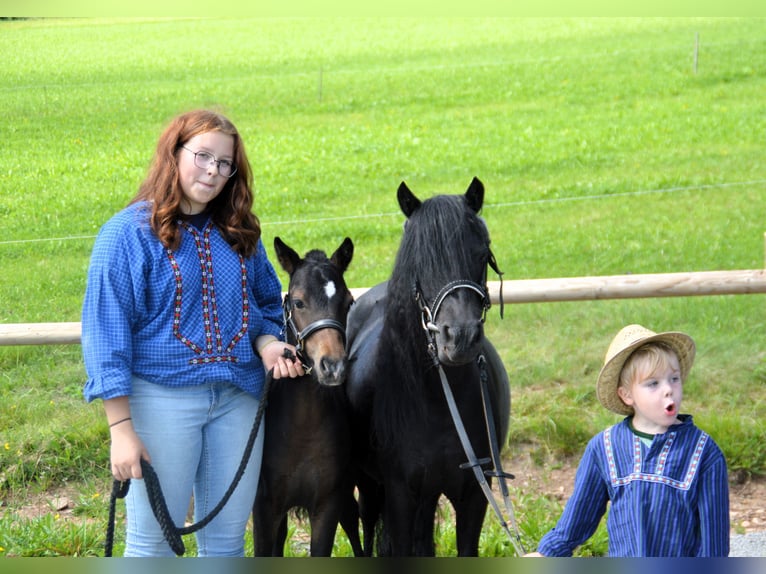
pixel 668 499
pixel 174 318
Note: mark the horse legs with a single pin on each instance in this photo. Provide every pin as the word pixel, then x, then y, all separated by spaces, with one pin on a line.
pixel 324 524
pixel 370 505
pixel 423 543
pixel 324 518
pixel 469 520
pixel 349 520
pixel 267 528
pixel 398 517
pixel 280 536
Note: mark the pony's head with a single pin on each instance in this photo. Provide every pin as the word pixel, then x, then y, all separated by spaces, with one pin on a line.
pixel 316 306
pixel 442 260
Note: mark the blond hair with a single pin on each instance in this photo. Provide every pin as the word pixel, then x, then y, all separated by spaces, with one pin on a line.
pixel 645 360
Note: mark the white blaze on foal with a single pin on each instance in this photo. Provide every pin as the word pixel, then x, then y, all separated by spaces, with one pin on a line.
pixel 330 289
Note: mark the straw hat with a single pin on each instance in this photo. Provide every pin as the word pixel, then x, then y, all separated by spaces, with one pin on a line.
pixel 628 340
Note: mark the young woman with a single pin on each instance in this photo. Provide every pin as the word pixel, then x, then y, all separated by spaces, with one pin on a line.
pixel 181 321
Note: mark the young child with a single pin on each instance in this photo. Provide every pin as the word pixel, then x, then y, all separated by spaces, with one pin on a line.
pixel 666 479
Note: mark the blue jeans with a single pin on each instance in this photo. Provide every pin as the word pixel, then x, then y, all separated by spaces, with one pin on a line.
pixel 196 437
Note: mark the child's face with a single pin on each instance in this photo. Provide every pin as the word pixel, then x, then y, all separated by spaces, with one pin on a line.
pixel 655 396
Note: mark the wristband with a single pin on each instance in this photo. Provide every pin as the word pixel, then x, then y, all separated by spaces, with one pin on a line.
pixel 119 421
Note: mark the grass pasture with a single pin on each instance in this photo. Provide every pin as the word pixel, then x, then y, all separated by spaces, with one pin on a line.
pixel 603 151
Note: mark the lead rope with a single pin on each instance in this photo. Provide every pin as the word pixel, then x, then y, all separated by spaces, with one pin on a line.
pixel 427 322
pixel 496 460
pixel 475 465
pixel 157 502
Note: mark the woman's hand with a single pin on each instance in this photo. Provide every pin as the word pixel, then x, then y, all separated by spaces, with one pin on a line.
pixel 127 449
pixel 126 452
pixel 281 357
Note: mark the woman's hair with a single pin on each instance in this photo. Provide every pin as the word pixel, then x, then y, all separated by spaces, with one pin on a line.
pixel 646 360
pixel 231 210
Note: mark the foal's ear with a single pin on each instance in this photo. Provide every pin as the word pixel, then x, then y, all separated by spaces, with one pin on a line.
pixel 407 200
pixel 288 258
pixel 474 195
pixel 343 254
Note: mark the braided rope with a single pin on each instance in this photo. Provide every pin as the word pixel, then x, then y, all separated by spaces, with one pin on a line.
pixel 170 531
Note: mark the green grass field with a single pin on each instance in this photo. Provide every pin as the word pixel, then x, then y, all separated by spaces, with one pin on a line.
pixel 603 151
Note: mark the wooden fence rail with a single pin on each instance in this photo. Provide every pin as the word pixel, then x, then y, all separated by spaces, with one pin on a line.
pixel 516 291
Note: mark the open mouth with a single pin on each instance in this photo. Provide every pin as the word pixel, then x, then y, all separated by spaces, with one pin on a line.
pixel 670 409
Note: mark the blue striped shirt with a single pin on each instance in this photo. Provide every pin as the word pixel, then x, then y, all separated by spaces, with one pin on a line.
pixel 175 318
pixel 668 499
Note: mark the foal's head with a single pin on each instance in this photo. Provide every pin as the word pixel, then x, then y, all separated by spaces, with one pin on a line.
pixel 316 307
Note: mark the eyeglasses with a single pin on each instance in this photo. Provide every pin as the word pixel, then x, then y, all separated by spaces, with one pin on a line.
pixel 203 160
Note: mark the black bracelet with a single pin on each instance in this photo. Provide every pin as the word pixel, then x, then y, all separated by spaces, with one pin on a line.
pixel 119 421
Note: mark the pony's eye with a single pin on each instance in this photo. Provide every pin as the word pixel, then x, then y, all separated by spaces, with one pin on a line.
pixel 298 304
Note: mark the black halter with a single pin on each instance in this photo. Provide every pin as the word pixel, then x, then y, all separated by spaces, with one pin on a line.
pixel 429 312
pixel 301 336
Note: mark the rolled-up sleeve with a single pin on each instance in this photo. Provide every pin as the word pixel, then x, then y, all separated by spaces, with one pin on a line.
pixel 107 314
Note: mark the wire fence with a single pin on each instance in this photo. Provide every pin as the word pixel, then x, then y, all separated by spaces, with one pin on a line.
pixel 688 49
pixel 487 206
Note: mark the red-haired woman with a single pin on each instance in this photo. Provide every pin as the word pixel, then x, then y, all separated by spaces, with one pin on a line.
pixel 181 320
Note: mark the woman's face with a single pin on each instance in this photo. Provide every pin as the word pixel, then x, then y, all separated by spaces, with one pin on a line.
pixel 201 185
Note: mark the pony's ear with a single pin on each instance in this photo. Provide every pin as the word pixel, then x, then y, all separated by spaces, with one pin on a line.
pixel 407 200
pixel 474 195
pixel 343 254
pixel 287 256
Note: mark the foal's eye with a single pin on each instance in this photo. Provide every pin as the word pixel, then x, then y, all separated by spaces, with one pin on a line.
pixel 298 304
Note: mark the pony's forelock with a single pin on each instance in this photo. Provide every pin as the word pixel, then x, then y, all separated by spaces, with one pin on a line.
pixel 443 222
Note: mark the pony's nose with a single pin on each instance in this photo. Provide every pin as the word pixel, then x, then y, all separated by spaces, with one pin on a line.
pixel 332 372
pixel 463 335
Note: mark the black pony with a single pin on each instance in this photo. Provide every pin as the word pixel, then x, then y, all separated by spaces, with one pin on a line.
pixel 306 455
pixel 429 314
